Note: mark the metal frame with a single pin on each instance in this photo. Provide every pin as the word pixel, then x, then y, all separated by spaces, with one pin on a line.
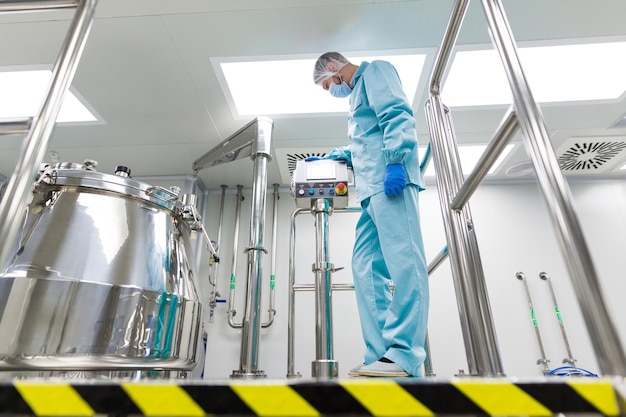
pixel 15 200
pixel 479 334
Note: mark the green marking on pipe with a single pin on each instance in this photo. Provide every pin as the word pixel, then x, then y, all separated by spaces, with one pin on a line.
pixel 232 281
pixel 272 282
pixel 558 314
pixel 532 315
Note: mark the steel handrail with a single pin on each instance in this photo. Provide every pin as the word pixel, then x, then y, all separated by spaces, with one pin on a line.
pixel 507 129
pixel 602 331
pixel 18 126
pixel 35 5
pixel 15 200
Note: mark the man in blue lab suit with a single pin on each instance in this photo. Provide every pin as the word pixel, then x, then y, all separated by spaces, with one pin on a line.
pixel 383 153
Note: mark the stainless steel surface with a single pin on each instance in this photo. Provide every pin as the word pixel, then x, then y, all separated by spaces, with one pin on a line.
pixel 291 300
pixel 214 266
pixel 233 269
pixel 15 126
pixel 100 278
pixel 570 358
pixel 604 337
pixel 35 145
pixel 251 140
pixel 272 302
pixel 250 335
pixel 477 325
pixel 447 45
pixel 501 138
pixel 248 366
pixel 324 364
pixel 543 360
pixel 33 5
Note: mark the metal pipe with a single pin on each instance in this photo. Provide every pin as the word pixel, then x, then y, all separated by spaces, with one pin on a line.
pixel 219 230
pixel 214 266
pixel 13 205
pixel 15 126
pixel 507 129
pixel 251 325
pixel 570 358
pixel 605 340
pixel 272 303
pixel 293 287
pixel 291 298
pixel 474 310
pixel 543 360
pixel 233 269
pixel 35 5
pixel 324 364
pixel 447 45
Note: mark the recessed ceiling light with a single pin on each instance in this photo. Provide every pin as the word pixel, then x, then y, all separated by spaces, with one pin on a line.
pixel 469 156
pixel 285 86
pixel 593 71
pixel 23 93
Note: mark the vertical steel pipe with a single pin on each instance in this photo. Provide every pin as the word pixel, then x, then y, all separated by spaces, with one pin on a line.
pixel 570 358
pixel 291 319
pixel 272 303
pixel 543 360
pixel 13 205
pixel 262 153
pixel 604 338
pixel 324 364
pixel 233 268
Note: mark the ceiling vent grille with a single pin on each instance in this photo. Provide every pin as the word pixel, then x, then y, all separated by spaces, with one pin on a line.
pixel 591 155
pixel 288 158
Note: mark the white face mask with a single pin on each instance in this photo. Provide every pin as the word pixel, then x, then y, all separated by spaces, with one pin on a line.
pixel 339 90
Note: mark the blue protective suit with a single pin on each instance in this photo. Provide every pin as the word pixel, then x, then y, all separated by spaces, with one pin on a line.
pixel 388 245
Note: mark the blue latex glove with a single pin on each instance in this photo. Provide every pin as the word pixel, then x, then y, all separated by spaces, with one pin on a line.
pixel 395 180
pixel 312 158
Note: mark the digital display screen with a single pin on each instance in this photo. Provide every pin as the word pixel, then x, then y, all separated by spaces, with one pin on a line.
pixel 320 172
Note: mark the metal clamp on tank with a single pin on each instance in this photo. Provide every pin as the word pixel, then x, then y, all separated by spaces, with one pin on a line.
pixel 191 215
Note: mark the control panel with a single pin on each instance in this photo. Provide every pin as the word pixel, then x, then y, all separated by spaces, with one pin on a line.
pixel 323 178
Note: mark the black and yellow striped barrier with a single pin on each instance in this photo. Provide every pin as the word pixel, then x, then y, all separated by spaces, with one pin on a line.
pixel 353 397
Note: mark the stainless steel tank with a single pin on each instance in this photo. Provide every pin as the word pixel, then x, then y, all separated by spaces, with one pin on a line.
pixel 101 278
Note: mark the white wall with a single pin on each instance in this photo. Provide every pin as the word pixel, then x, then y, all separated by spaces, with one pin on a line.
pixel 515 233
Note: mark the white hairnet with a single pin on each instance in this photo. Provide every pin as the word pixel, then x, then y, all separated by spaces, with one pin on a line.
pixel 327 66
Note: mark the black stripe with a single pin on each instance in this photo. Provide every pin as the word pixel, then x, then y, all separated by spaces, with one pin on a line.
pixel 217 399
pixel 559 398
pixel 442 398
pixel 330 399
pixel 11 402
pixel 107 399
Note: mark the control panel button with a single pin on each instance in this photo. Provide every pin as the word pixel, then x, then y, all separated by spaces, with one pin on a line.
pixel 341 189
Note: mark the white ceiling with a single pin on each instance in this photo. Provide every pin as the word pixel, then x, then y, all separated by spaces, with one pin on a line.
pixel 146 70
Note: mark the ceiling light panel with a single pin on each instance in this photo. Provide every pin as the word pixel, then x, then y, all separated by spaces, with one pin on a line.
pixel 23 93
pixel 280 87
pixel 563 73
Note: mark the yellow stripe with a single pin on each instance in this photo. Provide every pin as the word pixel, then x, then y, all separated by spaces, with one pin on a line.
pixel 385 398
pixel 53 399
pixel 600 394
pixel 274 400
pixel 501 398
pixel 162 400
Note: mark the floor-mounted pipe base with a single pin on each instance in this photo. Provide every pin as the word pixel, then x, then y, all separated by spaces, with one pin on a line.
pixel 325 368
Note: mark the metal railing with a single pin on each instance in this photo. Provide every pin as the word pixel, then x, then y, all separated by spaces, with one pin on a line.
pixel 479 334
pixel 39 129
